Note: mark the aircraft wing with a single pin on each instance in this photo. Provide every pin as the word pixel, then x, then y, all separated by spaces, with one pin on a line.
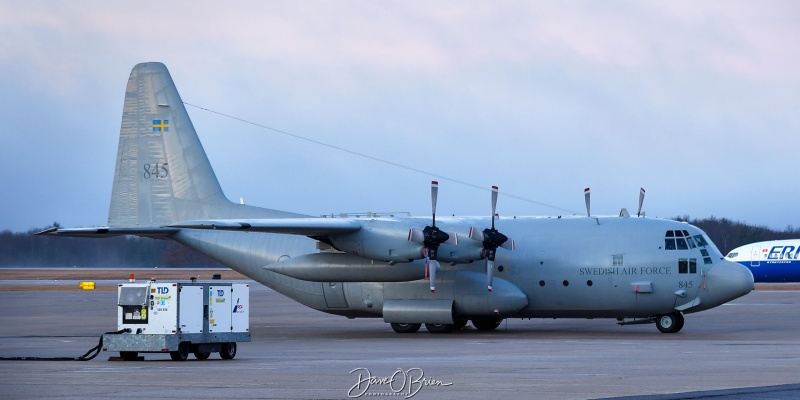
pixel 312 227
pixel 105 231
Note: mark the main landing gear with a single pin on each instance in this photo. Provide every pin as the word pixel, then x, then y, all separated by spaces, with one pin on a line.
pixel 406 328
pixel 480 324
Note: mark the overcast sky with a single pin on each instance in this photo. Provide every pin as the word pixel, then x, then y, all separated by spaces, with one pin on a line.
pixel 696 101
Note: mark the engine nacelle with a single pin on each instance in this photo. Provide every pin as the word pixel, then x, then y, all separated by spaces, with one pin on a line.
pixel 380 240
pixel 383 240
pixel 465 252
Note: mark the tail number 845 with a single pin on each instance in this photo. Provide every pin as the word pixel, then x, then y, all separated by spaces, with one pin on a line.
pixel 157 170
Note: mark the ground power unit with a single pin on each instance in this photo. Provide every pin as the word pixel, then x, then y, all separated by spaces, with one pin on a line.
pixel 180 318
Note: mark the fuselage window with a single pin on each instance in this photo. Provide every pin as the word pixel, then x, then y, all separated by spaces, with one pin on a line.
pixel 616 260
pixel 687 265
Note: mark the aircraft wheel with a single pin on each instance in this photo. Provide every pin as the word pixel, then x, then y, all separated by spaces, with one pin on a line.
pixel 439 328
pixel 460 324
pixel 228 351
pixel 181 355
pixel 129 355
pixel 202 356
pixel 669 323
pixel 406 328
pixel 487 324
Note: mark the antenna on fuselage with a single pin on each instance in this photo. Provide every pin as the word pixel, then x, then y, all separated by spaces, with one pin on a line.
pixel 641 201
pixel 586 196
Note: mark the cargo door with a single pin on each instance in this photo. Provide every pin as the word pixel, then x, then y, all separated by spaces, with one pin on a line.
pixel 190 309
pixel 240 310
pixel 219 308
pixel 334 294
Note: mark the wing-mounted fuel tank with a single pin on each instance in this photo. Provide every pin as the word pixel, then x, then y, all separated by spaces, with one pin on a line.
pixel 340 267
pixel 459 295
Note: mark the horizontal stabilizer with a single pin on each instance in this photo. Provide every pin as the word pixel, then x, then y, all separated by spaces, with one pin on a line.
pixel 104 231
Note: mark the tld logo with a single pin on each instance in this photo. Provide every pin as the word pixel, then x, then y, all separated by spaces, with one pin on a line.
pixel 162 290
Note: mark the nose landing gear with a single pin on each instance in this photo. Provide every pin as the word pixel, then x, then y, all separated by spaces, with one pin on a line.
pixel 670 323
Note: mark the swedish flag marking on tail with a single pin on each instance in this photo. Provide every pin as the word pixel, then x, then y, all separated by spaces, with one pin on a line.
pixel 160 125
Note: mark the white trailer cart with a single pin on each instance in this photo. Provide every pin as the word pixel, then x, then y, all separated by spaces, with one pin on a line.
pixel 181 318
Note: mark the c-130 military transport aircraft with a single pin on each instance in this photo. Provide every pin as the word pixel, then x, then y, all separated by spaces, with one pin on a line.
pixel 409 271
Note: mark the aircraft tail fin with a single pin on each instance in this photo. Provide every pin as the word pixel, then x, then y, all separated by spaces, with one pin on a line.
pixel 163 175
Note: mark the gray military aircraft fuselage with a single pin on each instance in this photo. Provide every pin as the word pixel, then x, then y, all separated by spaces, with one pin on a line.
pixel 409 271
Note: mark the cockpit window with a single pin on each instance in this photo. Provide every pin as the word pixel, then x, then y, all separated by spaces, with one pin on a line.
pixel 701 241
pixel 682 240
pixel 689 239
pixel 669 242
pixel 732 255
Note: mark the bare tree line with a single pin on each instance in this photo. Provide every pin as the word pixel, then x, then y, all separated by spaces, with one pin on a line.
pixel 25 249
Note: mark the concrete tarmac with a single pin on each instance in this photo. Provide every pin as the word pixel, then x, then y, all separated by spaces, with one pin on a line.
pixel 741 350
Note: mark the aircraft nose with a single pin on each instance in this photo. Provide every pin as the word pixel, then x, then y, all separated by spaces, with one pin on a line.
pixel 727 281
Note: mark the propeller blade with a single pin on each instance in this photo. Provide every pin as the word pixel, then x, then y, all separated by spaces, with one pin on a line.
pixel 434 265
pixel 641 201
pixel 491 238
pixel 453 239
pixel 586 196
pixel 489 272
pixel 476 233
pixel 415 235
pixel 434 196
pixel 494 203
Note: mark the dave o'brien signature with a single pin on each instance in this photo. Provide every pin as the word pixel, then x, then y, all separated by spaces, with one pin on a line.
pixel 402 382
